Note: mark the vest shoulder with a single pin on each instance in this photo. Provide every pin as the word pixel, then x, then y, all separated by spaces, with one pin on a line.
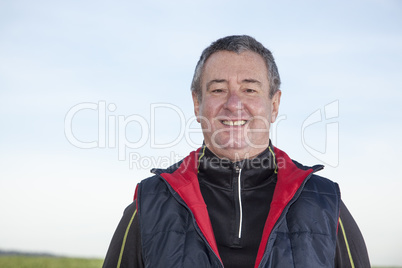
pixel 322 185
pixel 318 183
pixel 153 184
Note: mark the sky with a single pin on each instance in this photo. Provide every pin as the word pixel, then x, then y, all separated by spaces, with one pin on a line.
pixel 93 94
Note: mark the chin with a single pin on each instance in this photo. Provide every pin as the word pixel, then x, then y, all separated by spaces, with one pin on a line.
pixel 232 144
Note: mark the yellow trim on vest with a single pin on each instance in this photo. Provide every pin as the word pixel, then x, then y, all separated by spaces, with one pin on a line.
pixel 125 238
pixel 347 244
pixel 273 157
pixel 199 158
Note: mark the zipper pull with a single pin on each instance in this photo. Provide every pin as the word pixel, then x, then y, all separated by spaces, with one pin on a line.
pixel 236 167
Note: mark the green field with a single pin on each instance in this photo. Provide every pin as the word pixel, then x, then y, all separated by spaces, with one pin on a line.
pixel 48 262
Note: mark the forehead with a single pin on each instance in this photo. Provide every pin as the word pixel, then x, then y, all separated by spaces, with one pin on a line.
pixel 228 64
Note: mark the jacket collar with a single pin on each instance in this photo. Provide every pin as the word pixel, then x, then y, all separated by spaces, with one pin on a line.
pixel 184 181
pixel 220 172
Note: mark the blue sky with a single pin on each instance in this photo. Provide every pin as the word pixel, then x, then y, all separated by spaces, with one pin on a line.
pixel 139 58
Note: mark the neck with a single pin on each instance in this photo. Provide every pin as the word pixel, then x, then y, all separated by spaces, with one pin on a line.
pixel 265 159
pixel 235 154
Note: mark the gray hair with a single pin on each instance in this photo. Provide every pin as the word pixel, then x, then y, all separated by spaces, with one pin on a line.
pixel 238 44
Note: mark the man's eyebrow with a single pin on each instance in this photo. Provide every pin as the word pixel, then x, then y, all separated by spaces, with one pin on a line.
pixel 247 80
pixel 250 80
pixel 215 81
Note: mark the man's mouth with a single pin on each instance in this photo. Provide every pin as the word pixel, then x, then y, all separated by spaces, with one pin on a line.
pixel 234 123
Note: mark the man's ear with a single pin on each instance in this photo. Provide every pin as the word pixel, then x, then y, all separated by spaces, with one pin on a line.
pixel 196 105
pixel 276 100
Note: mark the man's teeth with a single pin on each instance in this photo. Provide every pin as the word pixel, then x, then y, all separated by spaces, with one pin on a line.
pixel 234 123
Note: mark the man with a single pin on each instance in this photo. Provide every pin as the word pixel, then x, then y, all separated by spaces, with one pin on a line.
pixel 237 201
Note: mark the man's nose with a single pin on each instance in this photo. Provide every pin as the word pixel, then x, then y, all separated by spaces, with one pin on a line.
pixel 233 102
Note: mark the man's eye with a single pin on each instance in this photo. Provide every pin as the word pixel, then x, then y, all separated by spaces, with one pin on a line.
pixel 217 90
pixel 249 90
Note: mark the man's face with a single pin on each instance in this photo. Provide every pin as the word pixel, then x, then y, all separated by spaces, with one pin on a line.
pixel 235 110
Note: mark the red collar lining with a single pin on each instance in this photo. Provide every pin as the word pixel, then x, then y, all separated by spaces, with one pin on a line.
pixel 290 178
pixel 185 182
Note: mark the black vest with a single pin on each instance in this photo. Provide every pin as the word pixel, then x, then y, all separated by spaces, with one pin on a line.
pixel 300 229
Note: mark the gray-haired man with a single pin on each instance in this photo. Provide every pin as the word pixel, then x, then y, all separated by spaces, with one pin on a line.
pixel 237 201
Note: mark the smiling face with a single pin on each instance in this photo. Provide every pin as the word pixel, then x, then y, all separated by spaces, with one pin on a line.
pixel 235 110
